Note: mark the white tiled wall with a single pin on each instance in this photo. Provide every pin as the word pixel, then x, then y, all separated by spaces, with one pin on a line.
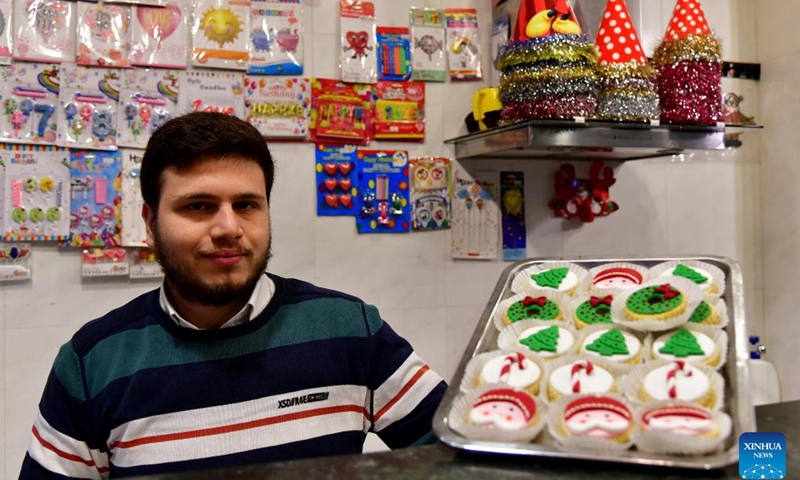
pixel 706 204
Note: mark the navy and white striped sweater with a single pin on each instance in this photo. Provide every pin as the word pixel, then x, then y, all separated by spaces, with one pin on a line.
pixel 133 393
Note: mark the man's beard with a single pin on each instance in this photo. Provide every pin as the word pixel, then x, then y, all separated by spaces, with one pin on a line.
pixel 189 285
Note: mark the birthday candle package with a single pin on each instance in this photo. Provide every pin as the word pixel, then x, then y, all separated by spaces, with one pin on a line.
pixel 159 35
pixel 337 180
pixel 88 104
pixel 134 230
pixel 476 215
pixel 278 107
pixel 96 201
pixel 383 201
pixel 428 36
pixel 430 193
pixel 341 112
pixel 394 53
pixel 399 112
pixel 104 34
pixel 30 98
pixel 149 97
pixel 212 92
pixel 276 36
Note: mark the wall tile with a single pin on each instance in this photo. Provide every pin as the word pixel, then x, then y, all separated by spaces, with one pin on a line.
pixel 778 34
pixel 782 328
pixel 461 324
pixel 326 55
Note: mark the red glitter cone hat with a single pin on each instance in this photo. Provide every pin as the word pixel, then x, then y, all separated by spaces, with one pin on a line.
pixel 617 39
pixel 687 19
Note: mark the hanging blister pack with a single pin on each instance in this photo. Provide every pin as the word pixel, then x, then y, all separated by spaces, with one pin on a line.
pixel 212 92
pixel 5 32
pixel 341 112
pixel 134 230
pixel 463 44
pixel 219 34
pixel 87 112
pixel 104 34
pixel 476 215
pixel 278 107
pixel 276 37
pixel 430 193
pixel 29 102
pixel 16 262
pixel 359 60
pixel 159 35
pixel 337 180
pixel 149 97
pixel 383 201
pixel 399 112
pixel 394 54
pixel 44 31
pixel 428 38
pixel 96 202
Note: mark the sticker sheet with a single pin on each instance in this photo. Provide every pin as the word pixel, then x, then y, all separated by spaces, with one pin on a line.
pixel 220 34
pixel 212 92
pixel 148 98
pixel 476 215
pixel 160 35
pixel 104 34
pixel 87 112
pixel 95 198
pixel 278 107
pixel 276 37
pixel 44 30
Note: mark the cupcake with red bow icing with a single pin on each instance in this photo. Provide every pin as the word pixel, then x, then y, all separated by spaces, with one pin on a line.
pixel 656 305
pixel 591 310
pixel 598 422
pixel 549 306
pixel 680 428
pixel 496 412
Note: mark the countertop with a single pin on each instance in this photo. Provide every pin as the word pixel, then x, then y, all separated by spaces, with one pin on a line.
pixel 442 462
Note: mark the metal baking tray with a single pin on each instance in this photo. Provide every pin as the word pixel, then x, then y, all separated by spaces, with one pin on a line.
pixel 738 403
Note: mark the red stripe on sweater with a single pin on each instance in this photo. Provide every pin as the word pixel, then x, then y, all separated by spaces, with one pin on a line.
pixel 65 455
pixel 207 432
pixel 402 391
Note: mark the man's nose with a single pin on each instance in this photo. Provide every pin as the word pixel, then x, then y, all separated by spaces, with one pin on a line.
pixel 226 223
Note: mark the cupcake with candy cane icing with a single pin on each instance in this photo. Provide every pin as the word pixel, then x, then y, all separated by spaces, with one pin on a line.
pixel 575 375
pixel 563 277
pixel 510 368
pixel 663 380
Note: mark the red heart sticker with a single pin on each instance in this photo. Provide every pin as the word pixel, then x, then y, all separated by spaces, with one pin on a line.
pixel 345 184
pixel 331 200
pixel 330 183
pixel 330 168
pixel 346 199
pixel 344 168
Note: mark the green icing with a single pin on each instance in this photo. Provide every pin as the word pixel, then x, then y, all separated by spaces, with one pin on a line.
pixel 588 314
pixel 646 301
pixel 518 311
pixel 701 313
pixel 683 271
pixel 551 278
pixel 610 343
pixel 682 344
pixel 543 340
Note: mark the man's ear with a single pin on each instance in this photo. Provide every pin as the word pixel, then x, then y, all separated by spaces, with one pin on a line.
pixel 149 217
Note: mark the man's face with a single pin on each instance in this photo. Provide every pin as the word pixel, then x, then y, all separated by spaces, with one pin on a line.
pixel 212 230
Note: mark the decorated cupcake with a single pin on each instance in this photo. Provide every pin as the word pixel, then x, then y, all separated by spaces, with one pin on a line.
pixel 692 344
pixel 574 375
pixel 680 428
pixel 545 339
pixel 504 367
pixel 617 276
pixel 707 277
pixel 598 422
pixel 566 278
pixel 656 305
pixel 613 344
pixel 711 313
pixel 592 311
pixel 675 381
pixel 532 305
pixel 498 413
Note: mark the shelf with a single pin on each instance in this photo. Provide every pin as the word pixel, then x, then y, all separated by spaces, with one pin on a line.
pixel 589 140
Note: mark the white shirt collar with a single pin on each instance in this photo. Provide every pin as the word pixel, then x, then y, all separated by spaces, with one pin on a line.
pixel 259 299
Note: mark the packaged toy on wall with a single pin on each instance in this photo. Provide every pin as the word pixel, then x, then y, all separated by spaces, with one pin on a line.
pixel 276 37
pixel 144 265
pixel 399 111
pixel 35 193
pixel 219 34
pixel 340 112
pixel 104 262
pixel 512 194
pixel 383 197
pixel 428 36
pixel 148 98
pixel 134 231
pixel 212 92
pixel 15 262
pixel 278 107
pixel 88 104
pixel 463 44
pixel 30 97
pixel 104 34
pixel 430 193
pixel 5 32
pixel 501 30
pixel 394 50
pixel 358 62
pixel 159 35
pixel 44 31
pixel 337 180
pixel 476 215
pixel 96 204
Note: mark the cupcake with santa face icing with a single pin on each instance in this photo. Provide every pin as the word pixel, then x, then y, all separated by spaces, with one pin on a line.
pixel 598 422
pixel 613 277
pixel 496 412
pixel 680 428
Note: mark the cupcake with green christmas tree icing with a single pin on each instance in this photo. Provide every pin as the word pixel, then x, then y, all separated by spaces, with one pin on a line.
pixel 657 305
pixel 709 278
pixel 711 312
pixel 548 340
pixel 562 277
pixel 611 343
pixel 691 343
pixel 549 306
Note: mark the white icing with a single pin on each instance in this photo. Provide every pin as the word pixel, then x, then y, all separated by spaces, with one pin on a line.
pixel 599 423
pixel 564 343
pixel 523 378
pixel 600 381
pixel 567 284
pixel 706 344
pixel 688 388
pixel 632 343
pixel 615 283
pixel 703 286
pixel 499 413
pixel 681 424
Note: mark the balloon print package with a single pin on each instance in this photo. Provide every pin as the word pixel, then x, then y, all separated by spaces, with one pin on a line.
pixel 219 34
pixel 5 32
pixel 276 37
pixel 104 34
pixel 159 35
pixel 359 60
pixel 45 31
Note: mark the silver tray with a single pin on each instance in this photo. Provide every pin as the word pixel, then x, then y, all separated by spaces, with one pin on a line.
pixel 738 403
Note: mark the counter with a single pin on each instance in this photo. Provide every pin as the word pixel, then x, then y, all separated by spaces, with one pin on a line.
pixel 441 462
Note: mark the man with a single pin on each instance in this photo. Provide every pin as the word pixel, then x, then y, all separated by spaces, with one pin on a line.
pixel 224 364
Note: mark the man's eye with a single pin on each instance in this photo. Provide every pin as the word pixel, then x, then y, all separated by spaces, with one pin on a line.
pixel 196 207
pixel 244 205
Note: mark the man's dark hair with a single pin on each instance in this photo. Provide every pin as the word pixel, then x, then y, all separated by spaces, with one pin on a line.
pixel 194 137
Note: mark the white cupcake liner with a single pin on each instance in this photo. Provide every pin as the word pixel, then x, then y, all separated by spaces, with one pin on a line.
pixel 559 298
pixel 458 419
pixel 717 275
pixel 576 302
pixel 623 366
pixel 690 291
pixel 507 340
pixel 632 384
pixel 522 281
pixel 644 271
pixel 720 307
pixel 472 372
pixel 718 336
pixel 556 427
pixel 611 367
pixel 653 441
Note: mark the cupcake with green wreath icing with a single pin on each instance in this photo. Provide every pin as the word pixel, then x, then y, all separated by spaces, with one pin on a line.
pixel 562 277
pixel 708 278
pixel 548 340
pixel 657 305
pixel 611 343
pixel 591 310
pixel 533 305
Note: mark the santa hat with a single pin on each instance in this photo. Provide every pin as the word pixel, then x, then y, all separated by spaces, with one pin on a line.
pixel 617 39
pixel 596 403
pixel 687 19
pixel 529 8
pixel 521 399
pixel 616 272
pixel 681 410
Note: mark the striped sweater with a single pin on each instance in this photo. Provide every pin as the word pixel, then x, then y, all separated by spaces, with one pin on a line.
pixel 133 393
